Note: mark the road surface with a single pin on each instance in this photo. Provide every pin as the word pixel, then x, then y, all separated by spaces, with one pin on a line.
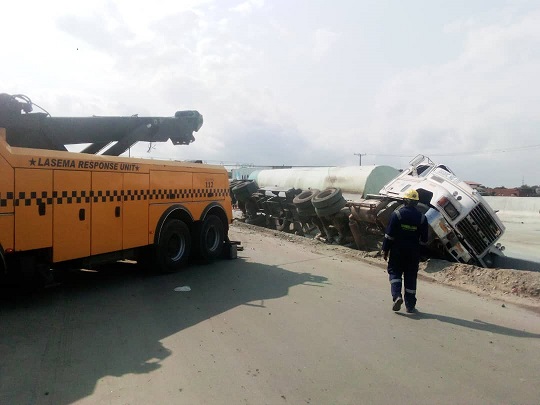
pixel 285 323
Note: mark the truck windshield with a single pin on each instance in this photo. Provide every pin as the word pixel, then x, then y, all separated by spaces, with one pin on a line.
pixel 423 170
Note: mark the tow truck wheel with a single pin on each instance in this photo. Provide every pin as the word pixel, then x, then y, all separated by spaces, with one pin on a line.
pixel 211 238
pixel 173 247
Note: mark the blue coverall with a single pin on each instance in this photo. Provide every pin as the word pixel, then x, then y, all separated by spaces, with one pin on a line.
pixel 406 232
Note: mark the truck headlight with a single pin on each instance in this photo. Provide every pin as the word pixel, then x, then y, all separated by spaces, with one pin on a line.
pixel 448 207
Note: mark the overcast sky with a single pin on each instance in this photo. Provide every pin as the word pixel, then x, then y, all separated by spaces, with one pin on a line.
pixel 306 82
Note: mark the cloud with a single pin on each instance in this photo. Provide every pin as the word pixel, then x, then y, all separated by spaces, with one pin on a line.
pixel 485 99
pixel 281 90
pixel 248 6
pixel 323 42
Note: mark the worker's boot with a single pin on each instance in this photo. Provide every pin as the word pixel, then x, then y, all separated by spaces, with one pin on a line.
pixel 397 303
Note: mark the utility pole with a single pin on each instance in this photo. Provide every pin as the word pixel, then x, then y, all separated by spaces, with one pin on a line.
pixel 360 157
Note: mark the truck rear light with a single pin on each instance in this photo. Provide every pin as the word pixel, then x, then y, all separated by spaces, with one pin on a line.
pixel 9 250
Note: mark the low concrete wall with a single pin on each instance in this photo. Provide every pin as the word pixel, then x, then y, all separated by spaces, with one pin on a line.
pixel 516 209
pixel 521 217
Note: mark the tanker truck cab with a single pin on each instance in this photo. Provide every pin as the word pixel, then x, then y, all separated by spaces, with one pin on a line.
pixel 460 219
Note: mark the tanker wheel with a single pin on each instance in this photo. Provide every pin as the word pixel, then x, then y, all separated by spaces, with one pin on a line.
pixel 327 198
pixel 331 210
pixel 173 247
pixel 306 212
pixel 308 227
pixel 282 224
pixel 299 228
pixel 303 200
pixel 259 220
pixel 244 191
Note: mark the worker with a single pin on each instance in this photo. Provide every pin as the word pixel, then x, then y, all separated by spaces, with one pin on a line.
pixel 407 231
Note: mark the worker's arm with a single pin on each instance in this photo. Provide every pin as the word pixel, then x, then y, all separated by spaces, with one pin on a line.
pixel 390 234
pixel 423 231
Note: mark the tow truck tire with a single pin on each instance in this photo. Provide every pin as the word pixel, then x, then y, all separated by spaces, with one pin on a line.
pixel 327 198
pixel 173 247
pixel 3 266
pixel 333 209
pixel 211 238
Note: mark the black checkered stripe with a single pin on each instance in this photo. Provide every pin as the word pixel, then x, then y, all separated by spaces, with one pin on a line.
pixel 78 197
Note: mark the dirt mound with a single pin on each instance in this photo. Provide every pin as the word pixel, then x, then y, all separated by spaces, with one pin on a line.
pixel 517 283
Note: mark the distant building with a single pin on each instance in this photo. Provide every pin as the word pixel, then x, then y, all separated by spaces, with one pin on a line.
pixel 482 190
pixel 474 185
pixel 505 192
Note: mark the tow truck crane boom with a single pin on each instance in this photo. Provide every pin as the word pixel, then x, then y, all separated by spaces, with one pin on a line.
pixel 41 131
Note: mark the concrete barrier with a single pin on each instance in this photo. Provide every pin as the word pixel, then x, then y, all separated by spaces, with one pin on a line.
pixel 516 209
pixel 521 217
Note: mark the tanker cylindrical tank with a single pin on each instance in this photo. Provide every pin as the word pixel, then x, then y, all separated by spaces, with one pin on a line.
pixel 354 181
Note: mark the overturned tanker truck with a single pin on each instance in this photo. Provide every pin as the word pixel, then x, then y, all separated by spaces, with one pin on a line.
pixel 352 206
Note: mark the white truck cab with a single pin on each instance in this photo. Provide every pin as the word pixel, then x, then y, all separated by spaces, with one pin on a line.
pixel 459 217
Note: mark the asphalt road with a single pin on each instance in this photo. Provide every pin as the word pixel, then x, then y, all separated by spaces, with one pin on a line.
pixel 282 324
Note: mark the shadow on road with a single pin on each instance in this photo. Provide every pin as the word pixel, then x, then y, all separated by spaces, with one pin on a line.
pixel 474 324
pixel 56 344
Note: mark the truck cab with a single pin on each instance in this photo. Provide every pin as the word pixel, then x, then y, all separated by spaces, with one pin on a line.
pixel 461 221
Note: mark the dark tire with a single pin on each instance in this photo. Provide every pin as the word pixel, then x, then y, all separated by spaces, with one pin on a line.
pixel 298 228
pixel 306 212
pixel 251 207
pixel 259 220
pixel 211 237
pixel 173 247
pixel 327 198
pixel 270 223
pixel 243 191
pixel 282 224
pixel 303 200
pixel 333 209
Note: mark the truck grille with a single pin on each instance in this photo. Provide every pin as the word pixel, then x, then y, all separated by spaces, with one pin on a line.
pixel 479 229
